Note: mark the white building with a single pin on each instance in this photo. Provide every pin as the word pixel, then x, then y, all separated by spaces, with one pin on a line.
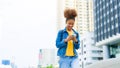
pixel 108 63
pixel 48 57
pixel 88 52
pixel 5 66
pixel 85 16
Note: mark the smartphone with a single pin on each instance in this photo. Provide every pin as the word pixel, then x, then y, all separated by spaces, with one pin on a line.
pixel 74 35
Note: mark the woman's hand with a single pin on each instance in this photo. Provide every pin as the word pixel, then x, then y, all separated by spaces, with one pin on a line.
pixel 69 38
pixel 74 39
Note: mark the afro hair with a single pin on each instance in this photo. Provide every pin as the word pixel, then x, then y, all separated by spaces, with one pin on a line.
pixel 68 13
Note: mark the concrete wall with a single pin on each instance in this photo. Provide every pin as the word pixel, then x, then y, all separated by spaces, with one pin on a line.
pixel 109 63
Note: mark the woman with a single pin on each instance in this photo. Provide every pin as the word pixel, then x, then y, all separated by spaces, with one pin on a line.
pixel 67 42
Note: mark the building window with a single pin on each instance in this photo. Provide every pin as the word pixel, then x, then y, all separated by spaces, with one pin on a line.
pixel 114 50
pixel 84 52
pixel 112 32
pixel 100 58
pixel 79 53
pixel 117 30
pixel 84 45
pixel 97 58
pixel 92 38
pixel 97 51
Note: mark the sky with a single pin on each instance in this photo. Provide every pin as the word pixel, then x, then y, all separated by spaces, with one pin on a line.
pixel 25 27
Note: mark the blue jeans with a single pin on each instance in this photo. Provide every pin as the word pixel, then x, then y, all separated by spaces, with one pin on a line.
pixel 69 62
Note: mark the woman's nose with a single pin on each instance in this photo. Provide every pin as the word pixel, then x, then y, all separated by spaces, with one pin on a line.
pixel 71 25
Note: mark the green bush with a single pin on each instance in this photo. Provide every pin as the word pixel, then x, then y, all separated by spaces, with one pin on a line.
pixel 51 66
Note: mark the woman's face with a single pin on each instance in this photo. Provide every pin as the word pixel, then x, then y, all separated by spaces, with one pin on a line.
pixel 70 24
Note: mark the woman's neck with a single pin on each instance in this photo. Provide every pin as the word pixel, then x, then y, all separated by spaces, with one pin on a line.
pixel 69 29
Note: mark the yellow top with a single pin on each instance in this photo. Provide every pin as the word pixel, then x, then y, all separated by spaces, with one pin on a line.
pixel 69 50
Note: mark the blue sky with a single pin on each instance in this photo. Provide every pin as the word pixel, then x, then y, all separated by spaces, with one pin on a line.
pixel 25 27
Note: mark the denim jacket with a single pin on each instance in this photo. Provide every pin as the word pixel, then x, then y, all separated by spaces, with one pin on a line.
pixel 61 45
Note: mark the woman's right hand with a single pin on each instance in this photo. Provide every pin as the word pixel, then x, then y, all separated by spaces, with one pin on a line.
pixel 69 38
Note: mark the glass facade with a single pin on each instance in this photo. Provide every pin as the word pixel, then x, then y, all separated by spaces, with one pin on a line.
pixel 107 23
pixel 114 51
pixel 107 18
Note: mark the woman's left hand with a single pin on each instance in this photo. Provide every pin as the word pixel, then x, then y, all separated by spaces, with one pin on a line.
pixel 74 39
